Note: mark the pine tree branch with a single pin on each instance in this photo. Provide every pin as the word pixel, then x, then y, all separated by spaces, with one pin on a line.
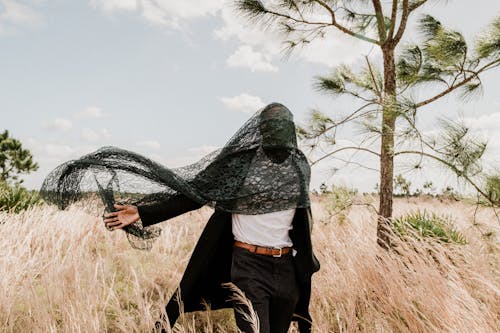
pixel 298 10
pixel 393 18
pixel 402 24
pixel 461 83
pixel 380 20
pixel 444 92
pixel 350 117
pixel 355 94
pixel 355 13
pixel 6 171
pixel 449 165
pixel 345 148
pixel 415 6
pixel 419 134
pixel 349 161
pixel 341 27
pixel 294 19
pixel 379 93
pixel 492 64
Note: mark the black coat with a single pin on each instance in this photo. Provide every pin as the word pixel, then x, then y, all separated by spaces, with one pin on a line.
pixel 210 263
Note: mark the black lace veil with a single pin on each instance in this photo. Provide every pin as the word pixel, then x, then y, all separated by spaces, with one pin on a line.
pixel 259 170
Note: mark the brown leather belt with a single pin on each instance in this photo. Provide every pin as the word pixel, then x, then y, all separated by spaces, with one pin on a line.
pixel 268 251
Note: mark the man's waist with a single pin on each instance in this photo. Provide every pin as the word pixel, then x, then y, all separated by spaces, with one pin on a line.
pixel 264 250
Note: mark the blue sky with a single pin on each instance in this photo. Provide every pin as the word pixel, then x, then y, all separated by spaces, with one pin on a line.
pixel 175 79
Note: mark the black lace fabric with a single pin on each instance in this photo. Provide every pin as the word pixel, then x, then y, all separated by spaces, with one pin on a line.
pixel 259 170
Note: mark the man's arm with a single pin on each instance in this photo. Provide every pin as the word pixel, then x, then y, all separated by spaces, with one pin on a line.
pixel 149 214
pixel 167 209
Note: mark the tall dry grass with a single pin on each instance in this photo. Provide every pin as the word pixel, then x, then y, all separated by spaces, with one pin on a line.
pixel 62 271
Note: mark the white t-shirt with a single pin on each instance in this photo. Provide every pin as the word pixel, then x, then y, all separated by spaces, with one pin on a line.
pixel 269 230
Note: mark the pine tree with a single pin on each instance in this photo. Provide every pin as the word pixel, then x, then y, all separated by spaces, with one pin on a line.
pixel 389 110
pixel 14 160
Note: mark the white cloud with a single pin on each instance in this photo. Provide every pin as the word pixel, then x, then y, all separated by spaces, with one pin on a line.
pixel 110 6
pixel 486 122
pixel 243 103
pixel 335 48
pixel 487 127
pixel 202 150
pixel 169 13
pixel 149 144
pixel 246 57
pixel 17 15
pixel 54 151
pixel 92 112
pixel 57 150
pixel 105 133
pixel 58 124
pixel 236 27
pixel 259 46
pixel 91 135
pixel 155 14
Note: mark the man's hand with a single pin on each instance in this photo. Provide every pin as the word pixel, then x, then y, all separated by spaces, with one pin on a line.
pixel 124 215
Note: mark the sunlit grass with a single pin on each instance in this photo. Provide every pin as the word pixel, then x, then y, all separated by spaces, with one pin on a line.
pixel 62 271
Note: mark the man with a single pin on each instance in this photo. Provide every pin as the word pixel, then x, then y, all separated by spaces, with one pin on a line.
pixel 259 236
pixel 268 256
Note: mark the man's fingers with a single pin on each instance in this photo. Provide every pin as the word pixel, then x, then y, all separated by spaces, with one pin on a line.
pixel 113 224
pixel 112 214
pixel 117 206
pixel 112 219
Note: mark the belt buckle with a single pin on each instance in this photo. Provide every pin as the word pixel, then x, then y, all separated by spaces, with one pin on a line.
pixel 281 252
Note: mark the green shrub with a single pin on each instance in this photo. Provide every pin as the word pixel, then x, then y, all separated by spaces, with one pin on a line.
pixel 338 201
pixel 428 225
pixel 16 198
pixel 493 189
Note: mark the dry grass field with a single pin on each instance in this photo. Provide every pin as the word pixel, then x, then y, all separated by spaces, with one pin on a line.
pixel 62 271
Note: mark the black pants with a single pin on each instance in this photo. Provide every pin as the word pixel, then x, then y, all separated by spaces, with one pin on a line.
pixel 270 284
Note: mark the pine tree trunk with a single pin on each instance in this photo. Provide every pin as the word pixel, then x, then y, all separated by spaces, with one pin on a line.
pixel 387 149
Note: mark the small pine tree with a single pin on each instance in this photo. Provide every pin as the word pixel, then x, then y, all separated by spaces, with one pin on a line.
pixel 493 189
pixel 14 160
pixel 402 185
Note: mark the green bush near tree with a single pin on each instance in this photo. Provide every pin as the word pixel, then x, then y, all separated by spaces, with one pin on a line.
pixel 428 225
pixel 493 189
pixel 15 198
pixel 339 200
